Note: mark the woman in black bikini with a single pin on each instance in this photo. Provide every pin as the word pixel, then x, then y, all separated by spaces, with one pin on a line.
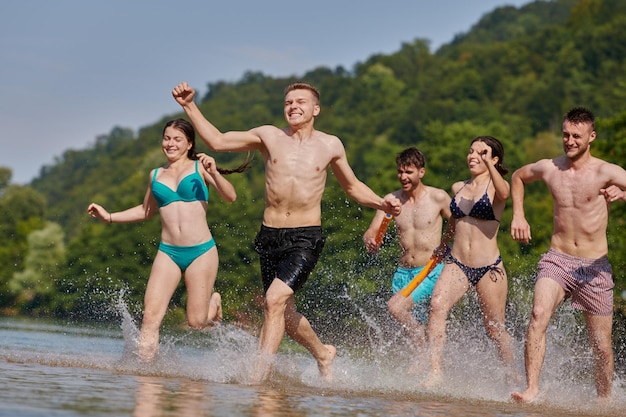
pixel 474 261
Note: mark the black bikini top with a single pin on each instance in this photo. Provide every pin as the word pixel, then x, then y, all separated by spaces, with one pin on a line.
pixel 482 209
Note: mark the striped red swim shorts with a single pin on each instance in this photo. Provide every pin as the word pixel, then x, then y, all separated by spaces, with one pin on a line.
pixel 588 281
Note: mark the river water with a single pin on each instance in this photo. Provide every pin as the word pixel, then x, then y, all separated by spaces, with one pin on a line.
pixel 52 368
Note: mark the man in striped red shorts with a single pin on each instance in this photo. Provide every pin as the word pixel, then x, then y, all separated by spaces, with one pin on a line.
pixel 576 265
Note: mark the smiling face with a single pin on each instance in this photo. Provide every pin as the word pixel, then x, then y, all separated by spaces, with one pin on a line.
pixel 410 176
pixel 576 138
pixel 301 107
pixel 175 144
pixel 479 150
pixel 486 148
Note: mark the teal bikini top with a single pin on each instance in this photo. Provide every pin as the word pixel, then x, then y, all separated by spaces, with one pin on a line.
pixel 190 188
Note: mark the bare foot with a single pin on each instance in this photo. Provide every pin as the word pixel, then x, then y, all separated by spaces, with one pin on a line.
pixel 214 315
pixel 603 402
pixel 434 379
pixel 215 308
pixel 263 367
pixel 147 353
pixel 525 397
pixel 324 364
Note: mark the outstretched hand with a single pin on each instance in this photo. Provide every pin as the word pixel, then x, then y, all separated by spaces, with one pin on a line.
pixel 96 211
pixel 392 205
pixel 183 94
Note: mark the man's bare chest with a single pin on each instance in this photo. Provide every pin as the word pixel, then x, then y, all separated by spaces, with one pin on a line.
pixel 576 191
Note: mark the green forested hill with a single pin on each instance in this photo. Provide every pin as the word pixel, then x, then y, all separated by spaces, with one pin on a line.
pixel 512 76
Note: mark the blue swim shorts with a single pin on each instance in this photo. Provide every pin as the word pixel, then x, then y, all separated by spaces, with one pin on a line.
pixel 421 295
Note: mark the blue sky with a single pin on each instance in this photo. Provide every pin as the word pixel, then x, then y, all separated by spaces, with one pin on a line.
pixel 71 70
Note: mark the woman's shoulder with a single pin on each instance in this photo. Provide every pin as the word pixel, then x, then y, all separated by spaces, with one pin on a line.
pixel 458 185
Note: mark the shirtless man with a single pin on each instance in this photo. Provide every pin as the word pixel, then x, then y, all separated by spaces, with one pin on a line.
pixel 290 240
pixel 419 234
pixel 576 264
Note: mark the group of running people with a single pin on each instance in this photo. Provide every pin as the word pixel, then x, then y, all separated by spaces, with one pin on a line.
pixel 290 240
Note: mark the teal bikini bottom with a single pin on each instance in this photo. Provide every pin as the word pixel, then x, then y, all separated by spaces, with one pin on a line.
pixel 183 256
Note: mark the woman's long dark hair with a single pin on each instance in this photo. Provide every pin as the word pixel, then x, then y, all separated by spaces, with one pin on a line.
pixel 190 133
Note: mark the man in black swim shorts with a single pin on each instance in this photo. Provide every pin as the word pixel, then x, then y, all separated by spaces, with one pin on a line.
pixel 296 161
pixel 289 254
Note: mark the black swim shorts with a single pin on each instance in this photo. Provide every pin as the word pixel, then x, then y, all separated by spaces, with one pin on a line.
pixel 289 254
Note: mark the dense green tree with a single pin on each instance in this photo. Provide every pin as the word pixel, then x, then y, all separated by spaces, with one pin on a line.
pixel 34 287
pixel 22 211
pixel 5 177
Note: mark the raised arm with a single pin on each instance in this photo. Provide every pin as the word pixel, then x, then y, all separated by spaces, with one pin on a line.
pixel 503 189
pixel 216 179
pixel 230 141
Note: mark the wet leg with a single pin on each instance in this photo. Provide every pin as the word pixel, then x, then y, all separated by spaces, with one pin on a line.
pixel 600 333
pixel 449 288
pixel 300 330
pixel 164 278
pixel 273 328
pixel 400 309
pixel 548 295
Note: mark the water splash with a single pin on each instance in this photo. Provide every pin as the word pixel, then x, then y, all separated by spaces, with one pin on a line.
pixel 375 359
pixel 473 370
pixel 214 355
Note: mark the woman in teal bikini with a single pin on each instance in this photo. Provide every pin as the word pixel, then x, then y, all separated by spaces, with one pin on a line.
pixel 180 193
pixel 474 260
